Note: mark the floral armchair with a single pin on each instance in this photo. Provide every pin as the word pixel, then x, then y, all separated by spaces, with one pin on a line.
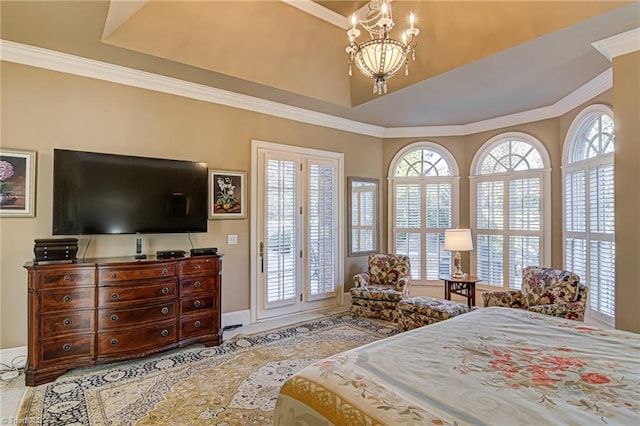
pixel 546 291
pixel 377 292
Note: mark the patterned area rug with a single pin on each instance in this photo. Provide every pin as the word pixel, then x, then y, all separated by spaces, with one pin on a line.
pixel 236 383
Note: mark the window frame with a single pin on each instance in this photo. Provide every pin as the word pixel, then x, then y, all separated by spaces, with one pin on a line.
pixel 586 165
pixel 453 179
pixel 543 173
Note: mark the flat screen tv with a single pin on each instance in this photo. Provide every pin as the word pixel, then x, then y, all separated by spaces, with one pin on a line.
pixel 97 193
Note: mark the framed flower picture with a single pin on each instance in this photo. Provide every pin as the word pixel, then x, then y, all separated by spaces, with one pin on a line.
pixel 17 183
pixel 227 195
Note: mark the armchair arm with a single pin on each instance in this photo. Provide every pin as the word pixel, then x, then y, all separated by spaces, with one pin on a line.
pixel 570 310
pixel 404 285
pixel 508 299
pixel 361 279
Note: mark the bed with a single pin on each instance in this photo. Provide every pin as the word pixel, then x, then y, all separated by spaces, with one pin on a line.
pixel 493 366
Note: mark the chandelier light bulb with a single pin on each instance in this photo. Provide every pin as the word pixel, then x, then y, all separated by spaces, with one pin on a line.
pixel 354 21
pixel 384 9
pixel 412 19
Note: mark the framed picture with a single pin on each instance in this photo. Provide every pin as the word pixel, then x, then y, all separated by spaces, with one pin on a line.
pixel 227 195
pixel 17 183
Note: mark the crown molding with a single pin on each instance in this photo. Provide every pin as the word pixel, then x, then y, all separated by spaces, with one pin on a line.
pixel 588 91
pixel 619 44
pixel 76 65
pixel 321 12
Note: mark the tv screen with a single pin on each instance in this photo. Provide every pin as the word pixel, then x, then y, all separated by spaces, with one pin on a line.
pixel 97 193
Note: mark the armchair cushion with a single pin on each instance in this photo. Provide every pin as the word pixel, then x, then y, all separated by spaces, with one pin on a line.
pixel 546 286
pixel 376 292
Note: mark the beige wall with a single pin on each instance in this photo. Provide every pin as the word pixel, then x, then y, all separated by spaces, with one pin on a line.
pixel 43 110
pixel 626 109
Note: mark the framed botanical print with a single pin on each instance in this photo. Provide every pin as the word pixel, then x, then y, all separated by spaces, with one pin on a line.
pixel 227 195
pixel 17 183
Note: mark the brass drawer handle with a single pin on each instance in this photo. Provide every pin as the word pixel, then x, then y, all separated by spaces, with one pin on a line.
pixel 66 347
pixel 165 311
pixel 165 333
pixel 197 324
pixel 114 276
pixel 196 304
pixel 115 296
pixel 165 271
pixel 197 284
pixel 67 299
pixel 114 317
pixel 197 267
pixel 114 342
pixel 66 322
pixel 165 290
pixel 67 277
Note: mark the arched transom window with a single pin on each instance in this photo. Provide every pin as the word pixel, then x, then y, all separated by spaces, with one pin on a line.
pixel 510 215
pixel 589 210
pixel 424 202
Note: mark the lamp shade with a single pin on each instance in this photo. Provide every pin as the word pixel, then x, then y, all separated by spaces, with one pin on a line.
pixel 458 240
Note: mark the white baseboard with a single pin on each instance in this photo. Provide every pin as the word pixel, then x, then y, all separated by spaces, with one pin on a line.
pixel 13 357
pixel 236 317
pixel 346 299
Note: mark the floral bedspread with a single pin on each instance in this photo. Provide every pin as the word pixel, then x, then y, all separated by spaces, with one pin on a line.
pixel 493 366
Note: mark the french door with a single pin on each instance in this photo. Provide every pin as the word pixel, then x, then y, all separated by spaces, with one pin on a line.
pixel 298 261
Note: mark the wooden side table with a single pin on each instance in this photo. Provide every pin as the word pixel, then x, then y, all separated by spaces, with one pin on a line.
pixel 463 286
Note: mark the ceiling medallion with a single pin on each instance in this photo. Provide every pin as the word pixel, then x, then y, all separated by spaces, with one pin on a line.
pixel 382 56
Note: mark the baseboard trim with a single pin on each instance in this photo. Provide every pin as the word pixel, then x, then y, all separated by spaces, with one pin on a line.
pixel 13 358
pixel 236 317
pixel 346 299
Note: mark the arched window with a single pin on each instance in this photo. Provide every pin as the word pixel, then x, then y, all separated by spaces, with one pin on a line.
pixel 589 210
pixel 423 200
pixel 510 208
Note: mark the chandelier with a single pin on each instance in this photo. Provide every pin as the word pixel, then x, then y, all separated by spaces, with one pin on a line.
pixel 382 56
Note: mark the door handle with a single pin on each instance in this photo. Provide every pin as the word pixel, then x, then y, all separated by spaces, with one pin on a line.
pixel 262 257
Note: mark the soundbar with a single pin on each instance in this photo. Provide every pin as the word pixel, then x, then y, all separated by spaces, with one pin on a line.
pixel 207 251
pixel 168 254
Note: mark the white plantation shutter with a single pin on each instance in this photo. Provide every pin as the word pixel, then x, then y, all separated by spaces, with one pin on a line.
pixel 511 192
pixel 438 209
pixel 589 209
pixel 281 248
pixel 490 205
pixel 490 258
pixel 408 214
pixel 322 219
pixel 602 245
pixel 364 223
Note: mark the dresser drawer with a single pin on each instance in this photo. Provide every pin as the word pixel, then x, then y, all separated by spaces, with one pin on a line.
pixel 198 285
pixel 66 299
pixel 144 293
pixel 136 340
pixel 114 318
pixel 71 277
pixel 198 265
pixel 117 274
pixel 195 304
pixel 65 323
pixel 67 348
pixel 196 325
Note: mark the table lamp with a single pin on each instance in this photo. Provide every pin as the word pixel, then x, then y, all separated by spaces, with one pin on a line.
pixel 458 240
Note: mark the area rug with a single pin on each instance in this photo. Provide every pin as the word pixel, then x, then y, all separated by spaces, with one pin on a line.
pixel 236 383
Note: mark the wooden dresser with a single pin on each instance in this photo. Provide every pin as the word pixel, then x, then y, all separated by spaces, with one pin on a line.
pixel 108 310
